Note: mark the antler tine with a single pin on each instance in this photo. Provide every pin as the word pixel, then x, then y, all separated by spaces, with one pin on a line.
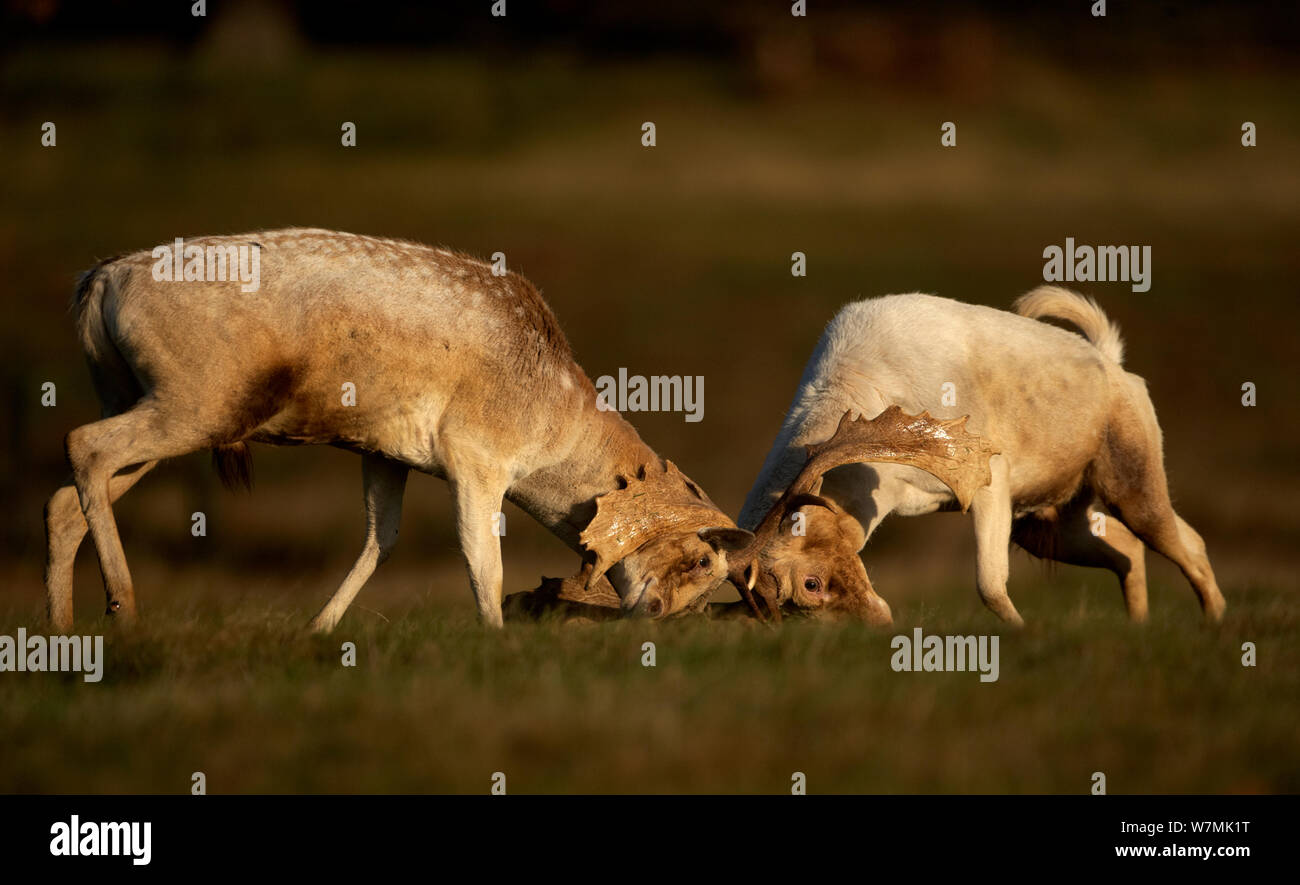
pixel 942 447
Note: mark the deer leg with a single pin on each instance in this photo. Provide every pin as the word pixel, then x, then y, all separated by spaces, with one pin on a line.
pixel 1069 537
pixel 991 510
pixel 1169 535
pixel 1130 477
pixel 65 527
pixel 97 452
pixel 478 495
pixel 383 482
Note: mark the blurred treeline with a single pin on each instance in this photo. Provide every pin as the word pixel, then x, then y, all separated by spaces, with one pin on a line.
pixel 775 134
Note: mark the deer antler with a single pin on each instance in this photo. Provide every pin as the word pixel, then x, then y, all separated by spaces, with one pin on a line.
pixel 943 448
pixel 659 500
pixel 569 598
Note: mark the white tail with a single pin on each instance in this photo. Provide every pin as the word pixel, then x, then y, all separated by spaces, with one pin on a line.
pixel 1062 304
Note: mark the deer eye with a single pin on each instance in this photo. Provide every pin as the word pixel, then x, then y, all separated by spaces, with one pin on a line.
pixel 812 585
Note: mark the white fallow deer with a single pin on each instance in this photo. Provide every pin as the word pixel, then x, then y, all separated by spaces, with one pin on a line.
pixel 453 370
pixel 1065 439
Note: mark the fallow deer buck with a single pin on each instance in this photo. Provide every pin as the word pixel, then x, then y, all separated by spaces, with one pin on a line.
pixel 1075 465
pixel 458 373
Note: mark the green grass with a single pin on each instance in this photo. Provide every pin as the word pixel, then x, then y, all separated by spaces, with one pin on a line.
pixel 232 687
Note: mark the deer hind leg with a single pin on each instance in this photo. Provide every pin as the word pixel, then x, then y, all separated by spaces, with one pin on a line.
pixel 1130 477
pixel 383 482
pixel 1169 535
pixel 65 527
pixel 1069 537
pixel 478 494
pixel 1154 521
pixel 96 453
pixel 991 510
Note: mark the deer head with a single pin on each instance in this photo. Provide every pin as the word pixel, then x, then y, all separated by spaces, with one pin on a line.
pixel 663 543
pixel 820 571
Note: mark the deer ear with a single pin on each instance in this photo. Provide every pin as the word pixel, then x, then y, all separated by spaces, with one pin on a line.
pixel 726 537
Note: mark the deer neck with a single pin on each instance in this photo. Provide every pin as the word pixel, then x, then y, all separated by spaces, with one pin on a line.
pixel 562 496
pixel 811 419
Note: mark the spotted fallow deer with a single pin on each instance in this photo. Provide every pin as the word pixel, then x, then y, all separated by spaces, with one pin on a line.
pixel 1075 464
pixel 455 371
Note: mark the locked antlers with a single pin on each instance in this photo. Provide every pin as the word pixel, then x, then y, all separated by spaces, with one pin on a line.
pixel 943 448
pixel 659 501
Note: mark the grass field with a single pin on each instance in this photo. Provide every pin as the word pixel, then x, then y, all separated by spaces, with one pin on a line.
pixel 671 261
pixel 224 681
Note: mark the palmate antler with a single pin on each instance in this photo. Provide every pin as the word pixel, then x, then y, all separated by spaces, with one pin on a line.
pixel 658 501
pixel 570 600
pixel 567 598
pixel 942 448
